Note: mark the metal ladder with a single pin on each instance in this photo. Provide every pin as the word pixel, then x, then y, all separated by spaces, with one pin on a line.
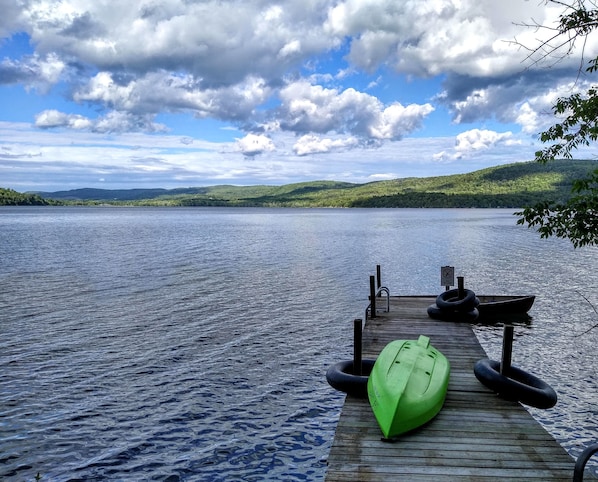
pixel 368 310
pixel 582 460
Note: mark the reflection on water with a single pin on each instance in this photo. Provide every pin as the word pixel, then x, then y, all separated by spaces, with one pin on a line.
pixel 191 344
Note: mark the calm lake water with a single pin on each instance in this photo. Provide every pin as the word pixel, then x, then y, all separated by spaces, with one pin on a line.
pixel 192 344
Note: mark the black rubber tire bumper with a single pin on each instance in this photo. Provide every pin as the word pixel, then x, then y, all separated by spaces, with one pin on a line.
pixel 449 300
pixel 340 377
pixel 455 316
pixel 519 385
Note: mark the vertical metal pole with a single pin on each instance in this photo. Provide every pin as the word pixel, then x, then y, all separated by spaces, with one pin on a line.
pixel 507 350
pixel 373 296
pixel 378 277
pixel 461 283
pixel 357 362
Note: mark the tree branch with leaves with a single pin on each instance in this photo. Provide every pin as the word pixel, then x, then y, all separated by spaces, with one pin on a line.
pixel 576 219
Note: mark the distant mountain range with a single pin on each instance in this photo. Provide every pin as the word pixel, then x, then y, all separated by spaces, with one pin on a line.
pixel 510 186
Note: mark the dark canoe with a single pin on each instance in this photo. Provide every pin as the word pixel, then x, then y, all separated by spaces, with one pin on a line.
pixel 492 306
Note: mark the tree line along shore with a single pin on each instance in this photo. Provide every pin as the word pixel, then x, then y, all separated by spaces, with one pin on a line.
pixel 507 186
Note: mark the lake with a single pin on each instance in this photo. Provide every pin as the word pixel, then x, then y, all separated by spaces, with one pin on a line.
pixel 176 344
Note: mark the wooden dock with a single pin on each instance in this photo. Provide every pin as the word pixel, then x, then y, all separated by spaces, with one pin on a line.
pixel 475 437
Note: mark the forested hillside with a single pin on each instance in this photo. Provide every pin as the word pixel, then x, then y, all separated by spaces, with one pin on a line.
pixel 8 197
pixel 511 186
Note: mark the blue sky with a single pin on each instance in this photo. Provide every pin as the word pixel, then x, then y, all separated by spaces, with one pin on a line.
pixel 176 93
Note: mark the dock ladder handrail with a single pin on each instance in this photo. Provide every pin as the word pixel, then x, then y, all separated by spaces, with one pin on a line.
pixel 581 462
pixel 382 289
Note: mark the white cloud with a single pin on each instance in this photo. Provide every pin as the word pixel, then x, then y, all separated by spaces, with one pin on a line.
pixel 116 121
pixel 536 113
pixel 386 176
pixel 529 119
pixel 291 48
pixel 10 20
pixel 59 159
pixel 478 139
pixel 221 42
pixel 474 141
pixel 253 145
pixel 53 118
pixel 310 108
pixel 39 73
pixel 517 101
pixel 314 73
pixel 464 37
pixel 159 91
pixel 397 120
pixel 112 122
pixel 312 144
pixel 151 57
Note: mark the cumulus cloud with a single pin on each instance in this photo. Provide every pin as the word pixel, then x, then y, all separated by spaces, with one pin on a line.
pixel 159 91
pixel 464 37
pixel 258 67
pixel 10 20
pixel 525 99
pixel 252 145
pixel 312 144
pixel 221 42
pixel 475 140
pixel 48 119
pixel 112 122
pixel 310 108
pixel 475 46
pixel 263 39
pixel 535 113
pixel 151 56
pixel 397 120
pixel 34 71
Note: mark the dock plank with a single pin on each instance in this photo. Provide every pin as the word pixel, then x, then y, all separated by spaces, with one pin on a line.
pixel 475 437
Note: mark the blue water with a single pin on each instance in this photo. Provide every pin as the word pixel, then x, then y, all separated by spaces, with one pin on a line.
pixel 191 344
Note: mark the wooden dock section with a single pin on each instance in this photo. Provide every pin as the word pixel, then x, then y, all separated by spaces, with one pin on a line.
pixel 475 437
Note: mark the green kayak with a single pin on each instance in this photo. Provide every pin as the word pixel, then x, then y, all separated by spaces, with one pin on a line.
pixel 408 385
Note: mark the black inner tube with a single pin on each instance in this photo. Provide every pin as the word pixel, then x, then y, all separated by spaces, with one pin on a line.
pixel 449 300
pixel 519 385
pixel 340 377
pixel 452 315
